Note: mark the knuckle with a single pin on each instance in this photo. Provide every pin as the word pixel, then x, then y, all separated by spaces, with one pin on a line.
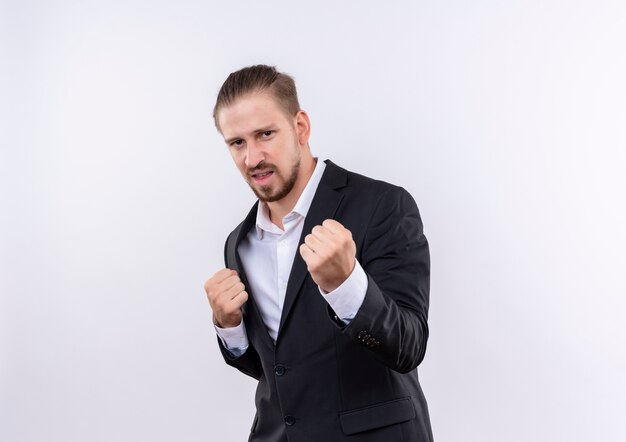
pixel 331 222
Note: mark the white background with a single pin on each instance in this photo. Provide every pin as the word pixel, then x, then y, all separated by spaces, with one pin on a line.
pixel 505 120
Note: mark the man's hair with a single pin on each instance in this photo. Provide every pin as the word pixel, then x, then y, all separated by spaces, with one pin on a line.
pixel 258 78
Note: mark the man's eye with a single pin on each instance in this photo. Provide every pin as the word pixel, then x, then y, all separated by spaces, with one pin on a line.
pixel 237 143
pixel 267 133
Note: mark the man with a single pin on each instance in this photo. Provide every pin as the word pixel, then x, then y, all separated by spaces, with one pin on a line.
pixel 324 298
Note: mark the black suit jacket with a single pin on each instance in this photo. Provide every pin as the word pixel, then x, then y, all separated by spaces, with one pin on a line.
pixel 323 380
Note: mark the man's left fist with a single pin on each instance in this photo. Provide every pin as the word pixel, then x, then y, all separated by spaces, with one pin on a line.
pixel 330 254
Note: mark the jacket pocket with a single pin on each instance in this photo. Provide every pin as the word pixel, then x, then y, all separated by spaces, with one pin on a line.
pixel 377 416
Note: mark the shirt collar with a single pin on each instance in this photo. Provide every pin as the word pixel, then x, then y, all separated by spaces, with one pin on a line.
pixel 301 208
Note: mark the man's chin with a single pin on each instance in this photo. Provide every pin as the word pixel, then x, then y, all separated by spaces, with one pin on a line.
pixel 275 191
pixel 264 194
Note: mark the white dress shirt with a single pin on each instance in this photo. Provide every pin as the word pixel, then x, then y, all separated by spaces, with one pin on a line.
pixel 267 254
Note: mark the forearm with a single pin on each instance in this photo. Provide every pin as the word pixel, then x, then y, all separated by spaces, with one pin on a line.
pixel 234 339
pixel 392 320
pixel 236 350
pixel 248 363
pixel 395 334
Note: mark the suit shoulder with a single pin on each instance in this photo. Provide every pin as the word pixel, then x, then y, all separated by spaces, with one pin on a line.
pixel 374 189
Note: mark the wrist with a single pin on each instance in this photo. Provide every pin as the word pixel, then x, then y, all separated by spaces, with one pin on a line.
pixel 226 323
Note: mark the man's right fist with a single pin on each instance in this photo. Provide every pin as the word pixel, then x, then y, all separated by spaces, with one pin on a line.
pixel 226 294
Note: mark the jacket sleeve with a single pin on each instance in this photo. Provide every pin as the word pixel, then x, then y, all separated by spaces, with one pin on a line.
pixel 248 363
pixel 392 321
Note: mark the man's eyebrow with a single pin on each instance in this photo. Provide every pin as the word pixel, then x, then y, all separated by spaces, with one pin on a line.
pixel 230 140
pixel 254 132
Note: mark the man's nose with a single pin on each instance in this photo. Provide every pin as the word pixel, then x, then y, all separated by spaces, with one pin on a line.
pixel 254 155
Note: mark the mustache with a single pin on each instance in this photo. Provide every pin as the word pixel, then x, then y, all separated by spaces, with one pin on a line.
pixel 261 166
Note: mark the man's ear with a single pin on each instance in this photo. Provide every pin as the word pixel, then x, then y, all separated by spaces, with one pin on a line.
pixel 303 128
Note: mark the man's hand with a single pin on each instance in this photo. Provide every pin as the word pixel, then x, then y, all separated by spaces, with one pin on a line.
pixel 226 294
pixel 329 253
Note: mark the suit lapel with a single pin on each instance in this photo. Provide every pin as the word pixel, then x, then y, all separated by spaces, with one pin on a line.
pixel 324 206
pixel 234 262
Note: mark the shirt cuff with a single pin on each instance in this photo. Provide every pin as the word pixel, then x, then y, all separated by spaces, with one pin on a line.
pixel 346 299
pixel 235 339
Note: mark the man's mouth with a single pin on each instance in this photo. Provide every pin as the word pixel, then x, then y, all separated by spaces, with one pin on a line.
pixel 262 177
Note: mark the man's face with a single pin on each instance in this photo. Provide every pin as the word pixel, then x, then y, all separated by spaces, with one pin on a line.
pixel 264 143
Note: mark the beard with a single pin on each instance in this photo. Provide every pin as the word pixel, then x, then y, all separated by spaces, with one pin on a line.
pixel 269 194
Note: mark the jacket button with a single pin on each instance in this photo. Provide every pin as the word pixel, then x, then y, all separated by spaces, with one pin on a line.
pixel 280 370
pixel 289 420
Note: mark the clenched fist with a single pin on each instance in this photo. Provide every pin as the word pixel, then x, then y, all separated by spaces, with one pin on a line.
pixel 329 253
pixel 226 294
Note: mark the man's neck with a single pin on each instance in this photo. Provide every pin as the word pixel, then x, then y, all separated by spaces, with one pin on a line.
pixel 278 209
